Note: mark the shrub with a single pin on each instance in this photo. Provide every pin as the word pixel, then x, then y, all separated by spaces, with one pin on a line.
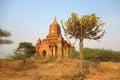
pixel 75 54
pixel 101 55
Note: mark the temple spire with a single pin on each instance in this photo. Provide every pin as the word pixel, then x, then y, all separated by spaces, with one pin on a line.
pixel 39 41
pixel 55 21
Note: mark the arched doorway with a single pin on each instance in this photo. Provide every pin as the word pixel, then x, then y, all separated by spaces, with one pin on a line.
pixel 44 53
pixel 55 50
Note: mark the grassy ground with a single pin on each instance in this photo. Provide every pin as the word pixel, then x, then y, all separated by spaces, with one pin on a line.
pixel 60 69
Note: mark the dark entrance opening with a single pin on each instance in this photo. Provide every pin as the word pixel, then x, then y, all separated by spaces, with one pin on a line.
pixel 44 53
pixel 55 51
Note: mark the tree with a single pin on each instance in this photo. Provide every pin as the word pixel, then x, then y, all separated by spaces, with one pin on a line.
pixel 4 34
pixel 85 27
pixel 25 50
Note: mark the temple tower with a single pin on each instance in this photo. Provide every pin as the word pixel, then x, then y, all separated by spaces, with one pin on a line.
pixel 54 43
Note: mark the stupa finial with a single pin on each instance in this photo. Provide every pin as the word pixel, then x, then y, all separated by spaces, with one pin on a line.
pixel 55 21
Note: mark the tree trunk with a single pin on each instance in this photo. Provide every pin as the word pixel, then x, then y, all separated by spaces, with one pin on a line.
pixel 81 55
pixel 24 62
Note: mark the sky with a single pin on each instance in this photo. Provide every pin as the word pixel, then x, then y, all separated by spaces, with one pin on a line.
pixel 27 20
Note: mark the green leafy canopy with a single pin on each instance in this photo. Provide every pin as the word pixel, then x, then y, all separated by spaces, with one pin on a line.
pixel 85 27
pixel 4 34
pixel 26 49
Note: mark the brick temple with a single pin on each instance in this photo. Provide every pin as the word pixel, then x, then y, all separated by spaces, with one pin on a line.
pixel 54 44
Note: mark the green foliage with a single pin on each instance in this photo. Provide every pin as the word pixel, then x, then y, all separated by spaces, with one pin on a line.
pixel 26 48
pixel 98 55
pixel 75 54
pixel 4 34
pixel 85 27
pixel 24 51
pixel 17 57
pixel 101 55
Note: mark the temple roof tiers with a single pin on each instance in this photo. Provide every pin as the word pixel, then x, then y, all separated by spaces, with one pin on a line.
pixel 54 27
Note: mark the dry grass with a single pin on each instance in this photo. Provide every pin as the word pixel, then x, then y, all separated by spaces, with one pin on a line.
pixel 58 70
pixel 104 71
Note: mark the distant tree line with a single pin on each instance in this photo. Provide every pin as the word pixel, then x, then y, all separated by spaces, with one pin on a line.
pixel 99 55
